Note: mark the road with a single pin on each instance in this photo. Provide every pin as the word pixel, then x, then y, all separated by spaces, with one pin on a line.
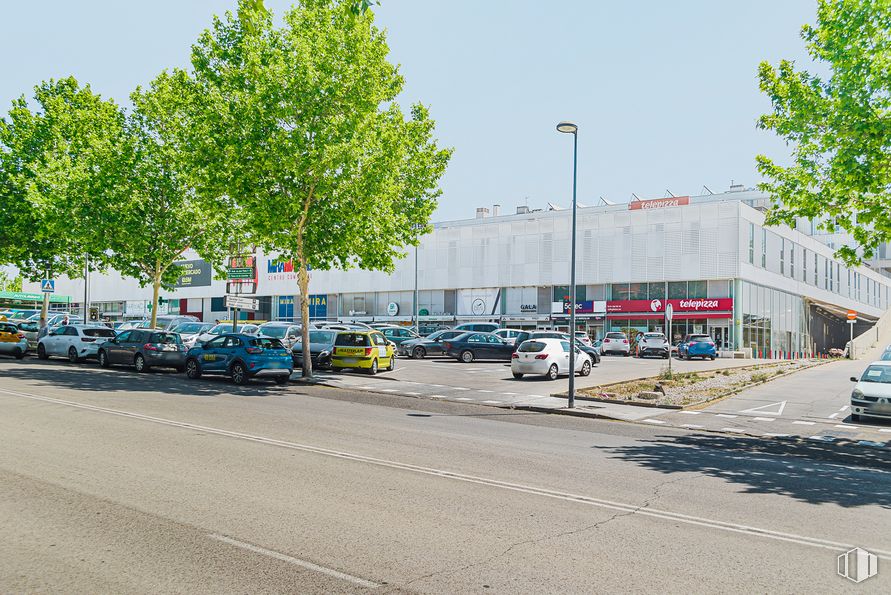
pixel 115 482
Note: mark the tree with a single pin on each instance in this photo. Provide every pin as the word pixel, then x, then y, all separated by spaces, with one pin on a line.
pixel 152 213
pixel 8 283
pixel 839 128
pixel 299 125
pixel 52 164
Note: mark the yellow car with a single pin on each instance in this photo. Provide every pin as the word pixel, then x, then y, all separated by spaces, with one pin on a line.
pixel 368 350
pixel 12 340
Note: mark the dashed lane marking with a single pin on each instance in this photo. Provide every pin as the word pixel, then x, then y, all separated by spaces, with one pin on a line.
pixel 834 415
pixel 492 402
pixel 463 399
pixel 727 416
pixel 804 423
pixel 764 418
pixel 777 435
pixel 654 421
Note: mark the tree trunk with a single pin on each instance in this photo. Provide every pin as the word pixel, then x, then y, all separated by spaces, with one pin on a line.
pixel 303 284
pixel 156 288
pixel 44 307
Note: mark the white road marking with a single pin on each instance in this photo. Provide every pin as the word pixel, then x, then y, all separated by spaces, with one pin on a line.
pixel 804 423
pixel 734 430
pixel 779 408
pixel 485 391
pixel 509 394
pixel 691 412
pixel 772 435
pixel 491 402
pixel 845 407
pixel 414 394
pixel 833 416
pixel 390 390
pixel 438 397
pixel 885 430
pixel 654 421
pixel 727 416
pixel 764 418
pixel 871 443
pixel 633 509
pixel 823 438
pixel 694 426
pixel 457 388
pixel 847 427
pixel 295 561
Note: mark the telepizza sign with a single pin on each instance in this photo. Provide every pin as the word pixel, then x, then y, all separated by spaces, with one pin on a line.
pixel 681 305
pixel 659 203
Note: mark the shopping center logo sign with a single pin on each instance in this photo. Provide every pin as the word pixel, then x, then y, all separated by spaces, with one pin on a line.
pixel 699 304
pixel 656 305
pixel 857 565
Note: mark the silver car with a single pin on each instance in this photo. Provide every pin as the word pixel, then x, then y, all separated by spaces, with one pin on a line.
pixel 286 332
pixel 871 396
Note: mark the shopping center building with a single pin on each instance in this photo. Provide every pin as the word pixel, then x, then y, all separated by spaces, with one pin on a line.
pixel 710 257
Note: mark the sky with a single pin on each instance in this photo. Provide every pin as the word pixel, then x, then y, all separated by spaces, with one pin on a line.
pixel 665 94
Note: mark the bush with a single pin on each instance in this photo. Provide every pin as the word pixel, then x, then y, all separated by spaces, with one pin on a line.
pixel 760 377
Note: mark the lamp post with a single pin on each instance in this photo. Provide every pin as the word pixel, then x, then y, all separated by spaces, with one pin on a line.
pixel 570 128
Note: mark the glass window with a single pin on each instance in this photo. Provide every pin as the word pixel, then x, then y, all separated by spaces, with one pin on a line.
pixel 677 290
pixel 782 256
pixel 218 342
pixel 125 336
pixel 231 342
pixel 378 339
pixel 697 289
pixel 493 339
pixel 621 291
pixel 352 340
pixel 763 248
pixel 217 304
pixel 656 290
pixel 565 346
pixel 267 343
pixel 792 260
pixel 816 270
pixel 532 346
pixel 164 338
pixel 637 291
pixel 751 243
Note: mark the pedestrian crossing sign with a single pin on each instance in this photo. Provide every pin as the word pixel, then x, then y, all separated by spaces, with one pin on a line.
pixel 48 286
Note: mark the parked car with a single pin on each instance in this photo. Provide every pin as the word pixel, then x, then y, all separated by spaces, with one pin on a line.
pixel 399 334
pixel 547 357
pixel 615 343
pixel 653 344
pixel 365 350
pixel 509 334
pixel 76 341
pixel 473 346
pixel 583 338
pixel 144 349
pixel 286 332
pixel 12 340
pixel 427 329
pixel 225 328
pixel 871 396
pixel 697 346
pixel 30 330
pixel 321 346
pixel 241 357
pixel 591 352
pixel 190 331
pixel 479 327
pixel 597 345
pixel 59 319
pixel 430 345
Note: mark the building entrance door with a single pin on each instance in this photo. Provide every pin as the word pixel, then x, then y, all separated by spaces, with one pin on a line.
pixel 720 334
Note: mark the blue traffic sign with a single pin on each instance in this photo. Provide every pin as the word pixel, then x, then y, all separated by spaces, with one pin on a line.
pixel 48 286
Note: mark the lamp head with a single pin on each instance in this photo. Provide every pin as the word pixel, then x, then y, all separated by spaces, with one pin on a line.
pixel 567 127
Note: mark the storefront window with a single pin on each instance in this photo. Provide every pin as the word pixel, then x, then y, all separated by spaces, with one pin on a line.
pixel 677 290
pixel 697 289
pixel 656 290
pixel 621 291
pixel 637 291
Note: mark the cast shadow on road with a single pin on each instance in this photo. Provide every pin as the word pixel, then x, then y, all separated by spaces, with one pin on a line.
pixel 808 472
pixel 88 377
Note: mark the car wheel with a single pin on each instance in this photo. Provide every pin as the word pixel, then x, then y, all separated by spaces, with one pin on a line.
pixel 373 369
pixel 586 369
pixel 467 356
pixel 238 373
pixel 517 375
pixel 103 359
pixel 418 353
pixel 193 371
pixel 19 354
pixel 392 365
pixel 41 352
pixel 139 363
pixel 596 359
pixel 553 372
pixel 72 355
pixel 282 379
pixel 712 357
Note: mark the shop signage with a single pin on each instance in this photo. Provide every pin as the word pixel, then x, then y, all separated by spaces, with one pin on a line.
pixel 195 273
pixel 240 273
pixel 659 203
pixel 682 305
pixel 587 307
pixel 423 312
pixel 528 308
pixel 392 309
pixel 242 303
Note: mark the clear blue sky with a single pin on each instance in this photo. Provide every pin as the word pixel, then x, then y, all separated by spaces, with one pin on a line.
pixel 665 93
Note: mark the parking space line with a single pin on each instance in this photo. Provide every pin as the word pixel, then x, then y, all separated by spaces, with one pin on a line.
pixel 885 430
pixel 834 415
pixel 775 435
pixel 847 427
pixel 462 399
pixel 734 430
pixel 654 421
pixel 764 418
pixel 804 423
pixel 725 415
pixel 437 396
pixel 456 387
pixel 845 407
pixel 389 390
pixel 485 391
pixel 509 394
pixel 693 426
pixel 492 402
pixel 692 412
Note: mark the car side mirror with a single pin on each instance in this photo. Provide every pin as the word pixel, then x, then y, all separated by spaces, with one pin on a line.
pixel 853 379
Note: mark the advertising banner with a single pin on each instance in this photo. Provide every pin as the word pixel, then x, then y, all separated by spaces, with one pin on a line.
pixel 587 307
pixel 678 305
pixel 479 302
pixel 659 203
pixel 196 273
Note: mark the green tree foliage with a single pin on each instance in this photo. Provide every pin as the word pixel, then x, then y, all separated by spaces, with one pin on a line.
pixel 838 126
pixel 8 283
pixel 52 164
pixel 299 126
pixel 151 215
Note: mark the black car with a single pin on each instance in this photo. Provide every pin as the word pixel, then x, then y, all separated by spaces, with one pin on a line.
pixel 144 349
pixel 431 345
pixel 590 350
pixel 471 346
pixel 321 346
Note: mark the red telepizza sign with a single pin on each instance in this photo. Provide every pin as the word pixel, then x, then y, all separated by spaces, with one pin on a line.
pixel 659 203
pixel 683 305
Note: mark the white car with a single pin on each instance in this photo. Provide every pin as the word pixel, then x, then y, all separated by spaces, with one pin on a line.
pixel 547 357
pixel 75 341
pixel 615 343
pixel 508 334
pixel 189 331
pixel 653 344
pixel 871 397
pixel 583 338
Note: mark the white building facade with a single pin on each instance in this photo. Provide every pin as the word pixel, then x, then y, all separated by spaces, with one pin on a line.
pixel 725 274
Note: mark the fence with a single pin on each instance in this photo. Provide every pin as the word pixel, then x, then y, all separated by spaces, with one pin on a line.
pixel 880 332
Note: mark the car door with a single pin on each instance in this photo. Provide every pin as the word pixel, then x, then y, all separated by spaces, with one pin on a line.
pixel 498 348
pixel 563 359
pixel 435 347
pixel 477 344
pixel 384 350
pixel 60 340
pixel 213 355
pixel 134 342
pixel 113 348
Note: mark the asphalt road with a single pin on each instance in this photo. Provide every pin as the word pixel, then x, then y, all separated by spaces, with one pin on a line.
pixel 114 482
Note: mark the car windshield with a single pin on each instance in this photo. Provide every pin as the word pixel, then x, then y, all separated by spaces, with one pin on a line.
pixel 615 335
pixel 880 374
pixel 702 339
pixel 165 338
pixel 99 332
pixel 321 336
pixel 886 356
pixel 352 340
pixel 532 346
pixel 190 328
pixel 225 327
pixel 267 343
pixel 274 331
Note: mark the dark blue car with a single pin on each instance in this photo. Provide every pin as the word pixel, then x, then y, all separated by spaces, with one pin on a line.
pixel 697 346
pixel 241 357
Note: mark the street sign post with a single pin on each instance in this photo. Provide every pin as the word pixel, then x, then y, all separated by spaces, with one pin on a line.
pixel 240 273
pixel 669 314
pixel 242 303
pixel 48 286
pixel 852 320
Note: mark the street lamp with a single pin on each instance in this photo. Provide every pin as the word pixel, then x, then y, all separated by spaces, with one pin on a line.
pixel 570 128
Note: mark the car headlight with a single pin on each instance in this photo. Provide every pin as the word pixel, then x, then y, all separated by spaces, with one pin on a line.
pixel 324 354
pixel 857 394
